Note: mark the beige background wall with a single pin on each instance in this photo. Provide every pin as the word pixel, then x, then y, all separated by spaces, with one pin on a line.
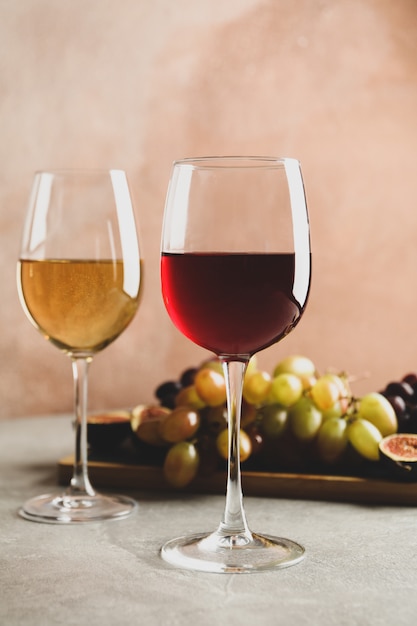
pixel 135 84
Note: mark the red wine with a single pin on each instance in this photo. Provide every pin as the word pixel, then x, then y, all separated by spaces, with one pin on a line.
pixel 232 304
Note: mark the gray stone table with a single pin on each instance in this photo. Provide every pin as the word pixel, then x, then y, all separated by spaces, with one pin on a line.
pixel 360 568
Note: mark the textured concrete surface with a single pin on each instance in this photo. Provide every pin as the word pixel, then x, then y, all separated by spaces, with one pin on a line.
pixel 136 84
pixel 360 569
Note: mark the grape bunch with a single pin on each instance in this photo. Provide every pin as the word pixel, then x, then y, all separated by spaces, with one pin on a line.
pixel 294 419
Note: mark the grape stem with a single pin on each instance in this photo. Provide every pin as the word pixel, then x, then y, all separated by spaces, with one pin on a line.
pixel 233 528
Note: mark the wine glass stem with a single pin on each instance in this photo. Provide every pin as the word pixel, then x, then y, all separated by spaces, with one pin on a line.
pixel 80 484
pixel 234 519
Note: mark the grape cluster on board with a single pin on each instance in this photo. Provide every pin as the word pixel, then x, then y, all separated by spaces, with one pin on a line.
pixel 294 419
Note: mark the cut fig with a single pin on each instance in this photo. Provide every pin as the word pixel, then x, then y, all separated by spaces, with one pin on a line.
pixel 399 452
pixel 107 431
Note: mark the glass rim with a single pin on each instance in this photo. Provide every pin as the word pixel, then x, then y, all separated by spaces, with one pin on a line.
pixel 242 162
pixel 77 171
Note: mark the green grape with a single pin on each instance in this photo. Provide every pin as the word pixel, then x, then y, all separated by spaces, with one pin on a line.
pixel 341 380
pixel 337 410
pixel 215 419
pixel 365 438
pixel 181 464
pixel 210 386
pixel 332 439
pixel 305 419
pixel 273 420
pixel 252 365
pixel 245 444
pixel 248 413
pixel 188 396
pixel 212 364
pixel 375 408
pixel 301 366
pixel 146 423
pixel 182 423
pixel 286 389
pixel 325 392
pixel 256 387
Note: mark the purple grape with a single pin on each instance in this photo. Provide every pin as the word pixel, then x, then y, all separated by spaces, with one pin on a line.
pixel 411 379
pixel 167 392
pixel 402 389
pixel 187 377
pixel 411 425
pixel 399 405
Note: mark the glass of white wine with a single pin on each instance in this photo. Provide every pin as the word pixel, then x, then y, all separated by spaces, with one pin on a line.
pixel 79 276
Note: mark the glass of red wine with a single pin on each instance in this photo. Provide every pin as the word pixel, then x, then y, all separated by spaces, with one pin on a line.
pixel 235 273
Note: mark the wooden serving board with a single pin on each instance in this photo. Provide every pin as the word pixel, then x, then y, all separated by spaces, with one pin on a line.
pixel 283 485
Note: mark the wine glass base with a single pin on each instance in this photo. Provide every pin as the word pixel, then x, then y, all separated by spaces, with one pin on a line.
pixel 207 553
pixel 66 509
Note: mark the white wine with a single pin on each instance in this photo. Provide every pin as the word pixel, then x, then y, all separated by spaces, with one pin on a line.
pixel 78 305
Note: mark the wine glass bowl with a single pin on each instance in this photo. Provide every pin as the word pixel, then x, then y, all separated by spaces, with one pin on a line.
pixel 235 277
pixel 78 277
